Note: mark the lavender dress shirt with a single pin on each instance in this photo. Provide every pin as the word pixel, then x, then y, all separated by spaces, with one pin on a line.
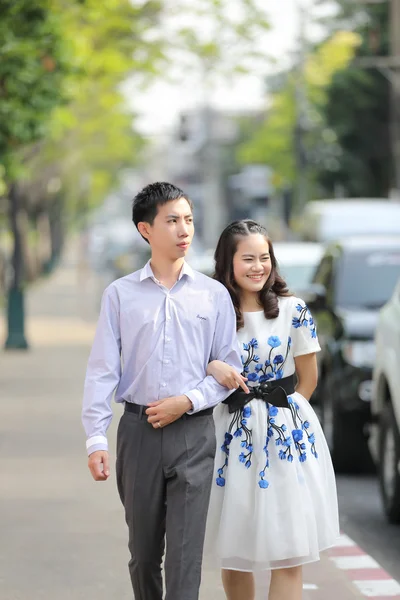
pixel 153 343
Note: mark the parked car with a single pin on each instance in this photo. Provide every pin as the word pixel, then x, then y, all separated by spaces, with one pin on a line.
pixel 328 220
pixel 385 406
pixel 354 279
pixel 297 262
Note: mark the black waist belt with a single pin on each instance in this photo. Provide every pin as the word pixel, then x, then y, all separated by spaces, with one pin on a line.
pixel 140 409
pixel 274 392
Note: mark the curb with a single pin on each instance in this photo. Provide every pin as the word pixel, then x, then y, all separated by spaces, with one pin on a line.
pixel 369 578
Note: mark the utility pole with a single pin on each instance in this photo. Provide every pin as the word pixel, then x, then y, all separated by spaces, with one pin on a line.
pixel 390 67
pixel 301 114
pixel 394 24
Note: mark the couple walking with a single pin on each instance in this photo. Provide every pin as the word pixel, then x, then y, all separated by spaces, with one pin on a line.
pixel 216 435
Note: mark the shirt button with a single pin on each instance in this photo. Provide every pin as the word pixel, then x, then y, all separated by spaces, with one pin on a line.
pixel 164 384
pixel 167 339
pixel 168 318
pixel 166 361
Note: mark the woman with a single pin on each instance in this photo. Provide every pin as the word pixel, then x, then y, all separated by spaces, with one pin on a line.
pixel 273 503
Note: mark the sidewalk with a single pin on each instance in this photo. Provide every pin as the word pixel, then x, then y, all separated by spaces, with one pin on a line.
pixel 63 535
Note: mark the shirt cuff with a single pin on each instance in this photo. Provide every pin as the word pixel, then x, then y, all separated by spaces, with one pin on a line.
pixel 197 399
pixel 95 443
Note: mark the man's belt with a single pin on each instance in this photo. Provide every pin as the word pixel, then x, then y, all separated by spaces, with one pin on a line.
pixel 274 392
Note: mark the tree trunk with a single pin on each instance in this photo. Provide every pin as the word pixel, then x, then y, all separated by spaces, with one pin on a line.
pixel 15 312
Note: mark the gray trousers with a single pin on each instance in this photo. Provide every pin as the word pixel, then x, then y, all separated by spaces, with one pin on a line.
pixel 164 480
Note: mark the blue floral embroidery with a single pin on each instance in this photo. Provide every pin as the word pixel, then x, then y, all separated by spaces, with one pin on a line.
pixel 274 341
pixel 304 319
pixel 298 433
pixel 237 428
pixel 272 368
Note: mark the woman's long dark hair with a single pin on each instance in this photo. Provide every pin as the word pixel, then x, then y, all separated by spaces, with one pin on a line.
pixel 274 287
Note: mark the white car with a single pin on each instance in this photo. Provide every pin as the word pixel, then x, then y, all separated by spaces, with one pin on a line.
pixel 385 432
pixel 327 220
pixel 297 262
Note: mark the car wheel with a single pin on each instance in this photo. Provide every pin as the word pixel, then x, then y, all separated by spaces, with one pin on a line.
pixel 389 463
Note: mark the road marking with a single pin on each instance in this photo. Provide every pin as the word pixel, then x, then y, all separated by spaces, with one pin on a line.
pixel 367 574
pixel 383 589
pixel 363 571
pixel 309 586
pixel 346 551
pixel 344 541
pixel 355 562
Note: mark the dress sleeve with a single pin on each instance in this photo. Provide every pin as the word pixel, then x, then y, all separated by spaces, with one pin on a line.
pixel 303 330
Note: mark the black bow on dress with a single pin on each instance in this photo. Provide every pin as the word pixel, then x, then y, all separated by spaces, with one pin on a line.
pixel 274 392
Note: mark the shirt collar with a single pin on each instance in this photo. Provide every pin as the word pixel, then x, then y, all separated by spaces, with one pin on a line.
pixel 147 272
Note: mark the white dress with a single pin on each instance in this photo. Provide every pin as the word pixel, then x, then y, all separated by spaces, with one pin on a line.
pixel 273 500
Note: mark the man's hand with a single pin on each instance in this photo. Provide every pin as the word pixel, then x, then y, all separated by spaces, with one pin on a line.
pixel 164 412
pixel 98 464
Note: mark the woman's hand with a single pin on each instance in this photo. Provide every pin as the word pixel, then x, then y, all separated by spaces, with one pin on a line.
pixel 227 375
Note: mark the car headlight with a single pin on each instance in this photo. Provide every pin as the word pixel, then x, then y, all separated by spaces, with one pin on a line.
pixel 359 354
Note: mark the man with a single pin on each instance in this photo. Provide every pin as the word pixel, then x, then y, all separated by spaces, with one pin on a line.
pixel 158 329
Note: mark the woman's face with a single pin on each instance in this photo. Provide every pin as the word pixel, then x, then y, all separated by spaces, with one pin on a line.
pixel 252 263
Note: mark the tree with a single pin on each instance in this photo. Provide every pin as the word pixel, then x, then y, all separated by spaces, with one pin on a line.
pixel 362 122
pixel 92 136
pixel 111 42
pixel 32 68
pixel 71 55
pixel 78 131
pixel 273 144
pixel 347 135
pixel 215 39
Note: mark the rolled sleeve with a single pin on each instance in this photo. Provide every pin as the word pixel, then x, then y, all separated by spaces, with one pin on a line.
pixel 225 347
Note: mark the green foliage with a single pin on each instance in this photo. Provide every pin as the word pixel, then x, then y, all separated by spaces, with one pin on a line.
pixel 215 37
pixel 32 67
pixel 92 137
pixel 361 124
pixel 273 143
pixel 84 131
pixel 357 110
pixel 346 131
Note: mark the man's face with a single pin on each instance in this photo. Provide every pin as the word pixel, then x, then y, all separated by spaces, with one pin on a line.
pixel 172 232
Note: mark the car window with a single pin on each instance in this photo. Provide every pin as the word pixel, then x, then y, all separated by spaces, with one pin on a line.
pixel 298 276
pixel 367 279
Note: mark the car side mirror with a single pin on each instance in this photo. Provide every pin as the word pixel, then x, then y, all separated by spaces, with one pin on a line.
pixel 315 297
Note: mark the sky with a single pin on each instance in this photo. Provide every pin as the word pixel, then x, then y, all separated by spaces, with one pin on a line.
pixel 159 107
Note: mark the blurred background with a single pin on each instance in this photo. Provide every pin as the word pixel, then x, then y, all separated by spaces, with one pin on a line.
pixel 285 112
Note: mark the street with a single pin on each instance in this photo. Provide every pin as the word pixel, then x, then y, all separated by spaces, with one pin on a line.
pixel 362 518
pixel 63 535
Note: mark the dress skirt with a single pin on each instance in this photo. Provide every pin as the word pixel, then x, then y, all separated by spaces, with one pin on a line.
pixel 273 501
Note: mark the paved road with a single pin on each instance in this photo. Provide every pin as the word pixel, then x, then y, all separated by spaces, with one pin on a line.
pixel 362 519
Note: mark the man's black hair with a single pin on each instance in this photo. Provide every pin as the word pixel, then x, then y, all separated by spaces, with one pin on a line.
pixel 146 202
